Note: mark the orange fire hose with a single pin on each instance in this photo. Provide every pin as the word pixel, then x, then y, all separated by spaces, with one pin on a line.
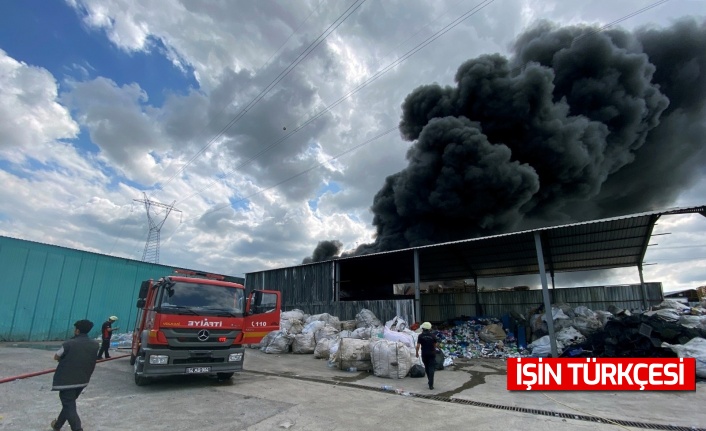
pixel 51 370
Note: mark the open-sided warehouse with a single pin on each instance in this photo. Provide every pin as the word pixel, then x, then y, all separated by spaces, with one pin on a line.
pixel 601 244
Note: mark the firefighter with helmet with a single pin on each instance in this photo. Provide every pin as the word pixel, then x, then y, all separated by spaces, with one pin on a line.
pixel 106 332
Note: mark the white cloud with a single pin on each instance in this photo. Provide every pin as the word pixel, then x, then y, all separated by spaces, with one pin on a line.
pixel 33 119
pixel 118 125
pixel 211 37
pixel 123 24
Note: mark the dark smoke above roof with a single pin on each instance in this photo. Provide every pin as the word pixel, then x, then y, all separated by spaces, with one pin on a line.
pixel 576 125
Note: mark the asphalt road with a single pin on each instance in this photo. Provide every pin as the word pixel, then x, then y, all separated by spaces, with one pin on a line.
pixel 298 392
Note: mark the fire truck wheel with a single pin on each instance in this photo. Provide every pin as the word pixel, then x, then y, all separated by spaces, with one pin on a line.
pixel 132 359
pixel 224 376
pixel 140 380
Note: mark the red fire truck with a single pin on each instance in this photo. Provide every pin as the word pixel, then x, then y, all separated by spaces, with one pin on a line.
pixel 196 323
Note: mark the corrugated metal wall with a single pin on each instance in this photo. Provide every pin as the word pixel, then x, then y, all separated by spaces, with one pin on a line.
pixel 439 307
pixel 311 288
pixel 46 288
pixel 309 284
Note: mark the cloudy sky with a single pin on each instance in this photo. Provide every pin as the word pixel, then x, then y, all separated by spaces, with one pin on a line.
pixel 273 125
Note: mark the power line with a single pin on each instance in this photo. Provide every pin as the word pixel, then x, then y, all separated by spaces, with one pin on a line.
pixel 281 76
pixel 365 83
pixel 420 30
pixel 303 55
pixel 619 20
pixel 403 58
pixel 290 36
pixel 395 63
pixel 678 259
pixel 679 246
pixel 258 70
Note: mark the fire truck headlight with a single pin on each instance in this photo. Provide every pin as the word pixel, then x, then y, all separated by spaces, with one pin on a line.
pixel 235 357
pixel 159 359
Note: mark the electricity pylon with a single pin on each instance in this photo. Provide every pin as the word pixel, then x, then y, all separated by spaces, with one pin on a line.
pixel 151 253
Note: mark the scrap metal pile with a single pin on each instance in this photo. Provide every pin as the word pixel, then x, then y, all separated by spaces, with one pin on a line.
pixel 478 338
pixel 581 332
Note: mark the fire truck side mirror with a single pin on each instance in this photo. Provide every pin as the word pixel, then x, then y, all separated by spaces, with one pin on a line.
pixel 248 304
pixel 144 288
pixel 140 303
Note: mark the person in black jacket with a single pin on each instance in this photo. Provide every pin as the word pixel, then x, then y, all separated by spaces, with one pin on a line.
pixel 427 341
pixel 106 332
pixel 77 360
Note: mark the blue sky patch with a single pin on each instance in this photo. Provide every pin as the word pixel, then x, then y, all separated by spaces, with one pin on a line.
pixel 12 169
pixel 239 204
pixel 84 144
pixel 332 187
pixel 56 39
pixel 27 169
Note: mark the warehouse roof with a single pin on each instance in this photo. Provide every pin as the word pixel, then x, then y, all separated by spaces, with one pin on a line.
pixel 599 244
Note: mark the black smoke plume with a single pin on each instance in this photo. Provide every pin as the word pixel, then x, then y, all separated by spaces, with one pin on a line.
pixel 577 124
pixel 325 250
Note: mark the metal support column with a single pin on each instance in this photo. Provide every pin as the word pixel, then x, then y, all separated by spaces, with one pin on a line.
pixel 479 309
pixel 337 281
pixel 645 301
pixel 545 294
pixel 417 304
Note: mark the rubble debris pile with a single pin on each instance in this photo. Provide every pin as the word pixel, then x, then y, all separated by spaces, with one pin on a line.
pixel 478 338
pixel 581 332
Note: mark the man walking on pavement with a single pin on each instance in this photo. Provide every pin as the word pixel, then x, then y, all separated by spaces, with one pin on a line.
pixel 106 332
pixel 427 341
pixel 77 360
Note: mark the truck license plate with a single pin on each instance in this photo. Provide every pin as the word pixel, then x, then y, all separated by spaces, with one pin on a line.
pixel 198 370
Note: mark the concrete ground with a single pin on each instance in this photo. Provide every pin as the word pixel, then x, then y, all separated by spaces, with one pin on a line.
pixel 299 392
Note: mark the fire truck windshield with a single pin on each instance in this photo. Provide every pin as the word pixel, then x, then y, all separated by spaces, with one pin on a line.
pixel 204 298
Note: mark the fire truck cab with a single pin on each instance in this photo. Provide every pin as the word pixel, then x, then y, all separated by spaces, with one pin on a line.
pixel 196 323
